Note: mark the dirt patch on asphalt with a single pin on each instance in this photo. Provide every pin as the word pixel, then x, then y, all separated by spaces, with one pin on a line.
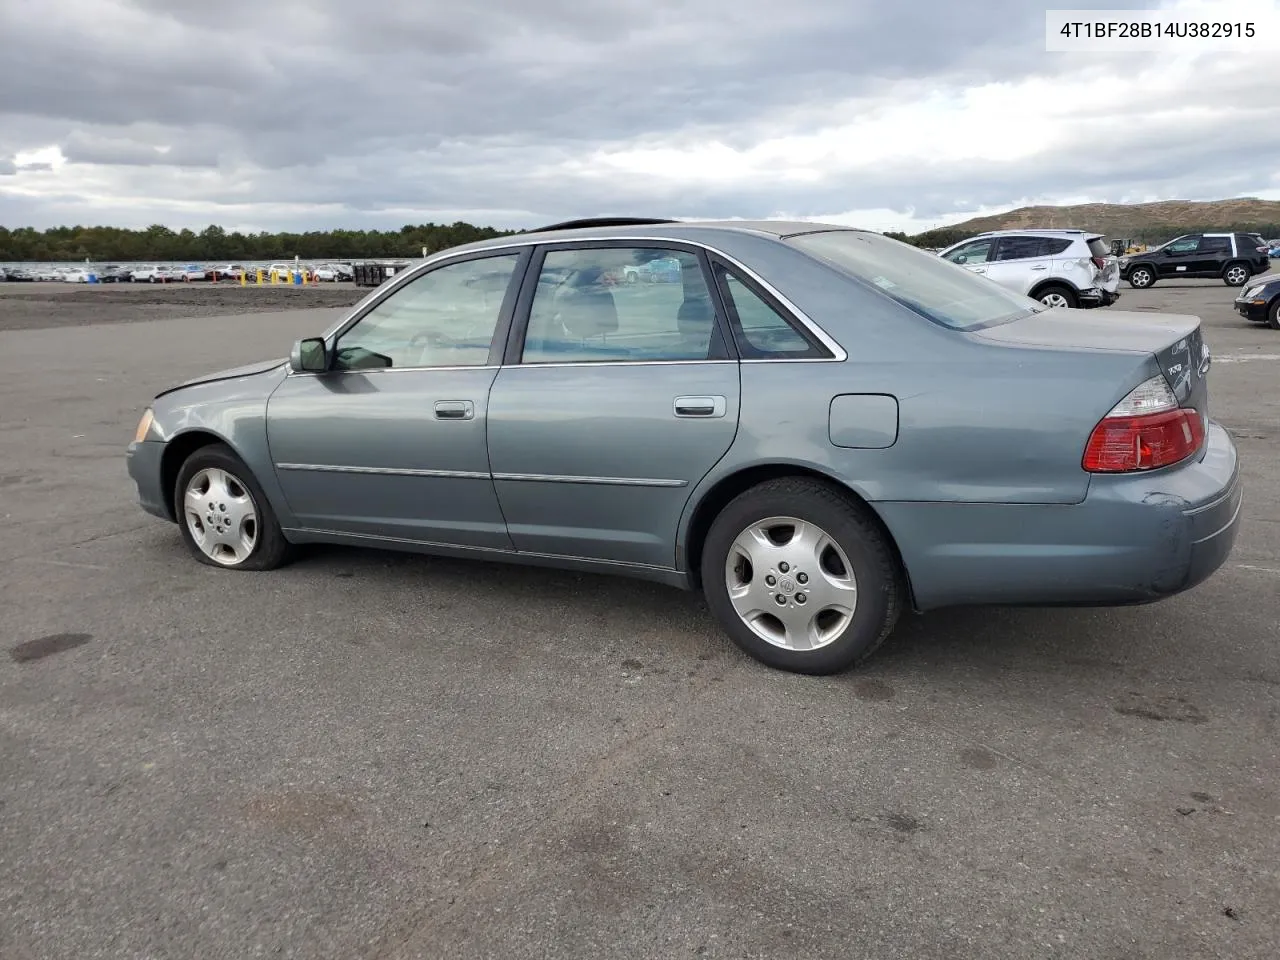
pixel 35 306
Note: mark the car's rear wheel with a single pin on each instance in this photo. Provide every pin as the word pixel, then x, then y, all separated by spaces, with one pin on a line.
pixel 1273 314
pixel 800 576
pixel 224 516
pixel 1235 275
pixel 1058 296
pixel 1141 277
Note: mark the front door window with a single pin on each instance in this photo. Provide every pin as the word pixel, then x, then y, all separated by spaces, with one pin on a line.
pixel 444 318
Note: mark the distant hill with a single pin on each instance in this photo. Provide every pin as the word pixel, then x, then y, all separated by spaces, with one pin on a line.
pixel 1149 222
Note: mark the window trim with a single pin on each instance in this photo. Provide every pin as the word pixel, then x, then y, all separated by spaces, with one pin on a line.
pixel 517 245
pixel 379 296
pixel 994 241
pixel 513 353
pixel 720 268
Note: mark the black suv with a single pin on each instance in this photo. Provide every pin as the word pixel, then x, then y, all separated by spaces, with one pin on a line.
pixel 1234 257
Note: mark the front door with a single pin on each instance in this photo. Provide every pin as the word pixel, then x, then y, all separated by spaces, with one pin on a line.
pixel 618 398
pixel 390 442
pixel 1178 259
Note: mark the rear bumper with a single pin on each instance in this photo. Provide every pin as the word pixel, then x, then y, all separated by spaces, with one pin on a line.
pixel 1098 297
pixel 1133 539
pixel 143 462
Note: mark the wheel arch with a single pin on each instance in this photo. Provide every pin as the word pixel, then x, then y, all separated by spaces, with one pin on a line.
pixel 1044 285
pixel 718 496
pixel 176 451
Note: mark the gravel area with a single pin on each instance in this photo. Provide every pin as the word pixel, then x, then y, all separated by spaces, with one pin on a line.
pixel 34 306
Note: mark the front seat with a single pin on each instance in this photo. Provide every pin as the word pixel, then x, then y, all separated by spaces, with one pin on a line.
pixel 696 321
pixel 588 310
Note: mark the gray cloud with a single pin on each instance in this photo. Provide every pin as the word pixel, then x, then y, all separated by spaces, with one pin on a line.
pixel 362 110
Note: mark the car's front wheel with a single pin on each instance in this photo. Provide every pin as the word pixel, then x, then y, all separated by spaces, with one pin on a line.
pixel 1235 275
pixel 224 516
pixel 800 577
pixel 1141 277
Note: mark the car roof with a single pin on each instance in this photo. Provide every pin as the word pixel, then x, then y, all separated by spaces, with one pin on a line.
pixel 1036 232
pixel 606 228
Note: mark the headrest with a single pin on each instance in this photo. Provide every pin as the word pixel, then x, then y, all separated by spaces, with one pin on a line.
pixel 588 311
pixel 695 317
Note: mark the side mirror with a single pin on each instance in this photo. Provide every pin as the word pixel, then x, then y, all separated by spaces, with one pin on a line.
pixel 309 356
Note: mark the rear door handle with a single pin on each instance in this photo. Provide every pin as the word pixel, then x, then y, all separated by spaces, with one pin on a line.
pixel 1040 267
pixel 455 410
pixel 700 406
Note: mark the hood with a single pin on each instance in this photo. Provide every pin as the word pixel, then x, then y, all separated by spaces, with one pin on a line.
pixel 248 370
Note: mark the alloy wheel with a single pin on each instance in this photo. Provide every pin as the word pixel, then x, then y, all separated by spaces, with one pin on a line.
pixel 221 516
pixel 791 583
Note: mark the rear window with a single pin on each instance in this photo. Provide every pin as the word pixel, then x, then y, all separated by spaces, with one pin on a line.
pixel 923 282
pixel 1098 247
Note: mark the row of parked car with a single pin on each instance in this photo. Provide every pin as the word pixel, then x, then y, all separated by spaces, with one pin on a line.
pixel 1076 268
pixel 134 273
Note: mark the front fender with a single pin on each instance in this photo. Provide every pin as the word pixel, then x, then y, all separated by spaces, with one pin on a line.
pixel 233 411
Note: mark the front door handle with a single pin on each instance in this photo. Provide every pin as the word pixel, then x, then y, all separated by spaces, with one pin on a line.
pixel 455 410
pixel 700 406
pixel 977 269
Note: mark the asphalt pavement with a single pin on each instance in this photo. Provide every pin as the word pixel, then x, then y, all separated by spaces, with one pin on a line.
pixel 372 755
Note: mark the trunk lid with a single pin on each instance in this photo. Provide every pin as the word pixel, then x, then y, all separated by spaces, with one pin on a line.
pixel 1175 340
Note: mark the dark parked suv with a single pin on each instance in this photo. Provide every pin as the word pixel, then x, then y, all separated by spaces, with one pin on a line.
pixel 1234 257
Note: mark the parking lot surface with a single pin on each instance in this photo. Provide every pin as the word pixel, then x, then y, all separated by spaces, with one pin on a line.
pixel 369 755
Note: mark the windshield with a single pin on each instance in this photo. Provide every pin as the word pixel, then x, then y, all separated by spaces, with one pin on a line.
pixel 936 289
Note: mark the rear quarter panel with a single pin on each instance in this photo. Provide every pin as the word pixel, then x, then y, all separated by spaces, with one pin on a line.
pixel 978 421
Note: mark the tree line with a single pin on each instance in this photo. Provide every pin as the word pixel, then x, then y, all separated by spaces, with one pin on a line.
pixel 158 242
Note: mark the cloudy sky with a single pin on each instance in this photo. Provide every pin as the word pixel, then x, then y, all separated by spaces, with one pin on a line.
pixel 276 114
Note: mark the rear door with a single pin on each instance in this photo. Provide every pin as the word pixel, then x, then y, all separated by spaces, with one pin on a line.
pixel 1212 255
pixel 1018 263
pixel 616 398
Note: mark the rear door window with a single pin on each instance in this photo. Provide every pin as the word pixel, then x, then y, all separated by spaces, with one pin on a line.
pixel 1214 246
pixel 1020 248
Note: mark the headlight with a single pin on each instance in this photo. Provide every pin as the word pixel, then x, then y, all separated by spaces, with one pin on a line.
pixel 1124 262
pixel 144 426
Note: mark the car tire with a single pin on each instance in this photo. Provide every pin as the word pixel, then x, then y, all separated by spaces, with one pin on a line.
pixel 1273 314
pixel 1142 277
pixel 855 588
pixel 1236 274
pixel 1058 295
pixel 221 537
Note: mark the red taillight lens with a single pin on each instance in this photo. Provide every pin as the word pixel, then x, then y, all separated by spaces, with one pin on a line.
pixel 1100 263
pixel 1120 444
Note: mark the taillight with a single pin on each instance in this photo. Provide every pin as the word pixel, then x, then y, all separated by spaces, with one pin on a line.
pixel 1145 430
pixel 1100 263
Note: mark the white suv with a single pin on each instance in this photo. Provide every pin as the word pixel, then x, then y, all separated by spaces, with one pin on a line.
pixel 1060 268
